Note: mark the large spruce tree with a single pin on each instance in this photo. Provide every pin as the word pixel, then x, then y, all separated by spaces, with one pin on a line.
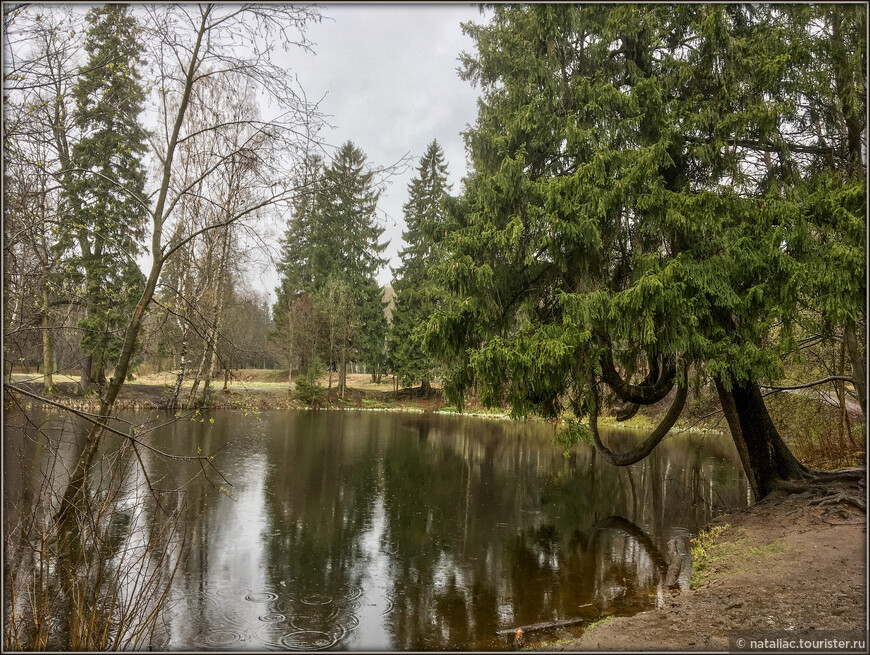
pixel 333 235
pixel 105 213
pixel 635 212
pixel 347 246
pixel 416 292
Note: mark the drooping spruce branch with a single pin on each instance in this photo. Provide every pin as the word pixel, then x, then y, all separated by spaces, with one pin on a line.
pixel 640 452
pixel 644 393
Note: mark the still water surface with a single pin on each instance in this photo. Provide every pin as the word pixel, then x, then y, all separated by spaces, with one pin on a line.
pixel 390 531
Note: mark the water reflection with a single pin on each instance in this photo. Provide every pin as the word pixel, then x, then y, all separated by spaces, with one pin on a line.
pixel 363 530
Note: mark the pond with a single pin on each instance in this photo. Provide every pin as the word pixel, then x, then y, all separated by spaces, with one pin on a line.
pixel 398 531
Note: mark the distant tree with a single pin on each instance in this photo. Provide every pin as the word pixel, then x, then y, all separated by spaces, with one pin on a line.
pixel 295 266
pixel 416 291
pixel 347 238
pixel 337 303
pixel 372 339
pixel 297 326
pixel 297 245
pixel 333 235
pixel 105 211
pixel 37 104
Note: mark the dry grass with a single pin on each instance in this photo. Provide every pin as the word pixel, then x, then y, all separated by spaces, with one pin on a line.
pixel 817 433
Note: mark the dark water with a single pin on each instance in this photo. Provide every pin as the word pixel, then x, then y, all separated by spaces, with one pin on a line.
pixel 385 531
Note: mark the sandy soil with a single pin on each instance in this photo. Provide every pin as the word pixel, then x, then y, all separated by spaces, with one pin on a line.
pixel 790 566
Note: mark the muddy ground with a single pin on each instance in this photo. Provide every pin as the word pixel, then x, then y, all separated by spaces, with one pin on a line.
pixel 784 564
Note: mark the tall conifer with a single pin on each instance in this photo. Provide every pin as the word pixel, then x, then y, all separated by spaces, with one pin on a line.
pixel 105 214
pixel 635 210
pixel 334 235
pixel 416 292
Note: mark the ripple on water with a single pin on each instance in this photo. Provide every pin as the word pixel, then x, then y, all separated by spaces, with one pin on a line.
pixel 349 592
pixel 313 618
pixel 225 638
pixel 272 617
pixel 316 599
pixel 350 622
pixel 389 607
pixel 261 597
pixel 311 639
pixel 234 593
pixel 352 606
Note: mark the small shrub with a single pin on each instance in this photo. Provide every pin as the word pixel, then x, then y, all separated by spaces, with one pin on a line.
pixel 308 389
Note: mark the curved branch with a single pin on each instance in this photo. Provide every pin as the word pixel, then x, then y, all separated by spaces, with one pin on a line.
pixel 637 393
pixel 628 410
pixel 636 454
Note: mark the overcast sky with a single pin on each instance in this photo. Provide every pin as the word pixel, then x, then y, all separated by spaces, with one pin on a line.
pixel 389 77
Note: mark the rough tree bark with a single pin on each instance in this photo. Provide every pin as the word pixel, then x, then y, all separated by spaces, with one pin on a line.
pixel 766 459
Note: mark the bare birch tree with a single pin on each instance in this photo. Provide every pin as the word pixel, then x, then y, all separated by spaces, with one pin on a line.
pixel 187 47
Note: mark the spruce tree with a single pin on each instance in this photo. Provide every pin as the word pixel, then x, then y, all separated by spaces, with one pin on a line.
pixel 105 214
pixel 633 216
pixel 334 235
pixel 416 292
pixel 346 238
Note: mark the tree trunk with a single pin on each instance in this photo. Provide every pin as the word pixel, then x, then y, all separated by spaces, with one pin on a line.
pixel 182 367
pixel 218 312
pixel 342 372
pixel 425 388
pixel 765 457
pixel 197 377
pixel 85 380
pixel 47 364
pixel 859 369
pixel 98 365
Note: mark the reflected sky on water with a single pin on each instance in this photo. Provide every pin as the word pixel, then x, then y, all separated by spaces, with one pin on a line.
pixel 402 531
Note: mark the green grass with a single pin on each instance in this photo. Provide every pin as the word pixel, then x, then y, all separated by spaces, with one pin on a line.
pixel 712 557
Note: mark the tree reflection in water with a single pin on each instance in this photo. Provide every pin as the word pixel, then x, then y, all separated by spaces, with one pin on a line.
pixel 394 531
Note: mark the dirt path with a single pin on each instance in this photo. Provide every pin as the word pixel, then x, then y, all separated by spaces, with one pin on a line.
pixel 780 565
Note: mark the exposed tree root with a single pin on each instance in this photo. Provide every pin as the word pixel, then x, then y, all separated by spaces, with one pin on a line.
pixel 833 491
pixel 840 498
